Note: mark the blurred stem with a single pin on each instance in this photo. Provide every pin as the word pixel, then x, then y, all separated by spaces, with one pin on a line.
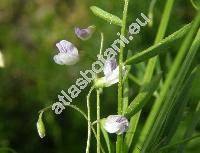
pixel 120 85
pixel 180 142
pixel 89 120
pixel 191 127
pixel 98 122
pixel 151 9
pixel 150 69
pixel 7 149
pixel 134 79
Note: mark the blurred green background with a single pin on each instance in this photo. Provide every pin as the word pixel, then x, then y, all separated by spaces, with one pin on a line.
pixel 31 80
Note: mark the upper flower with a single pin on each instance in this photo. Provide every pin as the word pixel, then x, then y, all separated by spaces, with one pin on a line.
pixel 84 34
pixel 111 74
pixel 116 124
pixel 68 53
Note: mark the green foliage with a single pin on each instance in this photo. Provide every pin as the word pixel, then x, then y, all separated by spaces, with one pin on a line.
pixel 158 48
pixel 142 98
pixel 196 3
pixel 106 16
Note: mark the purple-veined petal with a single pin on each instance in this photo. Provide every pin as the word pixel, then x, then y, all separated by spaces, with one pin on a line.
pixel 84 34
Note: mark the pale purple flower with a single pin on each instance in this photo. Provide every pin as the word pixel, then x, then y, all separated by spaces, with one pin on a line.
pixel 109 67
pixel 111 74
pixel 84 34
pixel 68 53
pixel 116 124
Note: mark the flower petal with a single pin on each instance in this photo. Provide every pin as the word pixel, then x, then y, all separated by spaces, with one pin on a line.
pixel 65 59
pixel 65 46
pixel 68 53
pixel 114 77
pixel 84 34
pixel 116 124
pixel 109 67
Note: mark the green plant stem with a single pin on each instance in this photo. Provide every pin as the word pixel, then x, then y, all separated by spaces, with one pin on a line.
pixel 99 105
pixel 98 122
pixel 78 110
pixel 120 85
pixel 160 35
pixel 101 45
pixel 150 69
pixel 89 121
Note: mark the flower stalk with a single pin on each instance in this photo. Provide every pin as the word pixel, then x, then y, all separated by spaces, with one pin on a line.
pixel 89 120
pixel 98 122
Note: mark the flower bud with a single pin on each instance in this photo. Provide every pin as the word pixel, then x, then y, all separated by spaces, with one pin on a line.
pixel 68 53
pixel 116 124
pixel 40 126
pixel 84 34
pixel 2 64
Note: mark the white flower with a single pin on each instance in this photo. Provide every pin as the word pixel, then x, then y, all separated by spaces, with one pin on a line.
pixel 116 124
pixel 68 53
pixel 84 34
pixel 111 74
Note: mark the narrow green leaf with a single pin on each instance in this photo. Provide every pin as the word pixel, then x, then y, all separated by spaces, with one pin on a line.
pixel 131 131
pixel 126 86
pixel 191 126
pixel 165 102
pixel 106 137
pixel 158 48
pixel 106 16
pixel 142 98
pixel 125 96
pixel 150 69
pixel 176 114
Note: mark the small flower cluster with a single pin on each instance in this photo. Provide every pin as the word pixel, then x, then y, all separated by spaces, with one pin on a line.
pixel 68 55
